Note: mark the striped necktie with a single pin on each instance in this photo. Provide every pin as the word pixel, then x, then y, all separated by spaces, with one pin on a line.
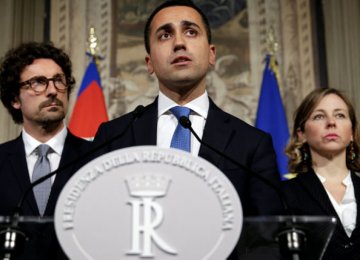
pixel 41 168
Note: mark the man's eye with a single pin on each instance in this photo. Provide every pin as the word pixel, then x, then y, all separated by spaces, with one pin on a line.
pixel 58 80
pixel 191 32
pixel 165 36
pixel 39 81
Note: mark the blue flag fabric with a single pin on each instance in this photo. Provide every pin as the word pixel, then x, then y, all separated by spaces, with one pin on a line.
pixel 271 116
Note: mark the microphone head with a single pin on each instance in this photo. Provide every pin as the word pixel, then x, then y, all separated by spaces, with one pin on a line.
pixel 138 111
pixel 185 122
pixel 12 241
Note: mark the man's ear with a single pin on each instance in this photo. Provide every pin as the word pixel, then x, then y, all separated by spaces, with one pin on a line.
pixel 212 55
pixel 16 103
pixel 149 65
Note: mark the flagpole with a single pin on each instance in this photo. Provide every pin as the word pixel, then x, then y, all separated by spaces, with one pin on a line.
pixel 90 108
pixel 272 50
pixel 92 48
pixel 271 115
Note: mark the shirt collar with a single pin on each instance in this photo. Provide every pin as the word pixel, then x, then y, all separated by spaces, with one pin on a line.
pixel 56 142
pixel 346 181
pixel 349 195
pixel 199 105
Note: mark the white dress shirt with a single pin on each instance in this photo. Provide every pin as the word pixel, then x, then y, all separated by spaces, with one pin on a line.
pixel 346 209
pixel 167 122
pixel 56 143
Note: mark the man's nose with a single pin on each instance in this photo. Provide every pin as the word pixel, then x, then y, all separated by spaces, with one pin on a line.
pixel 51 89
pixel 179 42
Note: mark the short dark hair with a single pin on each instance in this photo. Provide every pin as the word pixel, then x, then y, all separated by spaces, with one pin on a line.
pixel 15 61
pixel 170 3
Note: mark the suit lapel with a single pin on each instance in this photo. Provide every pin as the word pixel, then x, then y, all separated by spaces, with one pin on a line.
pixel 356 183
pixel 145 127
pixel 18 162
pixel 314 187
pixel 217 133
pixel 70 152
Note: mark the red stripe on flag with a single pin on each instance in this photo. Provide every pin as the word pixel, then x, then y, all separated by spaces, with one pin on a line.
pixel 89 112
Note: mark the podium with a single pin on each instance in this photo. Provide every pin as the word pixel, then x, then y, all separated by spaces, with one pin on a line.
pixel 147 202
pixel 264 237
pixel 28 238
pixel 258 239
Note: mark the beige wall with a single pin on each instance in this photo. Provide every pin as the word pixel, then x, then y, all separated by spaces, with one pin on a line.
pixel 342 27
pixel 20 20
pixel 291 20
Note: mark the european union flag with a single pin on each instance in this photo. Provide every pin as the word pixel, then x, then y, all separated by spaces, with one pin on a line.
pixel 271 116
pixel 90 109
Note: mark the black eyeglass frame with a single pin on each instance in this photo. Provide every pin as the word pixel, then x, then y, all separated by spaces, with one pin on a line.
pixel 56 79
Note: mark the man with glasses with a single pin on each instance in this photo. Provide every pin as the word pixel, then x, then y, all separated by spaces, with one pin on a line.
pixel 35 84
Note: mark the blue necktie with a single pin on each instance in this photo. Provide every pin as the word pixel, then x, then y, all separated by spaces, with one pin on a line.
pixel 41 168
pixel 181 137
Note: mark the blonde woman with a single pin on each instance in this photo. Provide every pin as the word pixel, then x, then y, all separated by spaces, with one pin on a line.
pixel 323 151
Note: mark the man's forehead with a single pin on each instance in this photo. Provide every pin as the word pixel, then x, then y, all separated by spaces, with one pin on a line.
pixel 176 15
pixel 41 66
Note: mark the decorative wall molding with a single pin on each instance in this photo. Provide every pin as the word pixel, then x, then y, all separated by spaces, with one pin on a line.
pixel 298 63
pixel 70 24
pixel 20 21
pixel 342 49
pixel 291 23
pixel 290 20
pixel 305 45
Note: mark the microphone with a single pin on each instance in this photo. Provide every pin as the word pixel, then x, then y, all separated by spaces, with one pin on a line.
pixel 291 239
pixel 186 123
pixel 138 111
pixel 12 239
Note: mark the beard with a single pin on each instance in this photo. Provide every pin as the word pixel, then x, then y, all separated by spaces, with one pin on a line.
pixel 52 116
pixel 58 116
pixel 52 120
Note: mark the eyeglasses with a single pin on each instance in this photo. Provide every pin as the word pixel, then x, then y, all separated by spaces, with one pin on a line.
pixel 40 84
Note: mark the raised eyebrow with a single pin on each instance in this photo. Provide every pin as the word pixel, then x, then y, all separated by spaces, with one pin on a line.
pixel 344 110
pixel 42 76
pixel 187 23
pixel 318 110
pixel 335 110
pixel 36 78
pixel 58 75
pixel 166 27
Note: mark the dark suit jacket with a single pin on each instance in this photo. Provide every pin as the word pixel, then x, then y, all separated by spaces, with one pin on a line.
pixel 14 179
pixel 246 144
pixel 307 196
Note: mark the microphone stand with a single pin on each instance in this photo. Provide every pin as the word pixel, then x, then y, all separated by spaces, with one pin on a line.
pixel 291 239
pixel 12 239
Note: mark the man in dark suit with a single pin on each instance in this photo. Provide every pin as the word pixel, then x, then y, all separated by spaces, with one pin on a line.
pixel 35 84
pixel 179 51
